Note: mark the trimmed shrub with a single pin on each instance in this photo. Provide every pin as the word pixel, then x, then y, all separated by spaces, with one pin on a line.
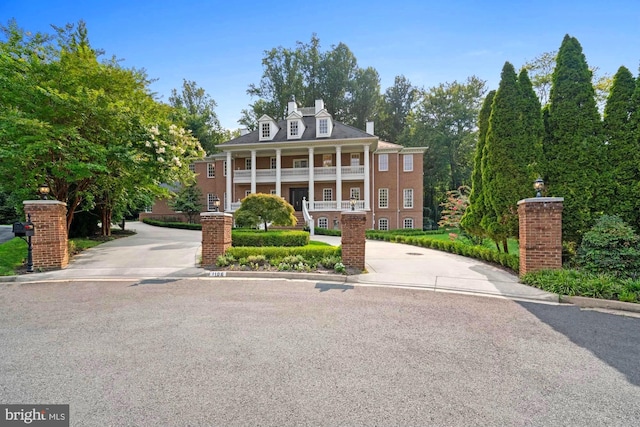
pixel 180 225
pixel 285 238
pixel 309 253
pixel 611 246
pixel 326 232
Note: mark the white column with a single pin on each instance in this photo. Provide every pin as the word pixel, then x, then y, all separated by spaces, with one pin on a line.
pixel 278 172
pixel 229 181
pixel 367 177
pixel 253 171
pixel 312 182
pixel 339 177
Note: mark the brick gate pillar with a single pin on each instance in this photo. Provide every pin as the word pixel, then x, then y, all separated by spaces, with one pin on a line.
pixel 216 235
pixel 353 239
pixel 49 242
pixel 540 233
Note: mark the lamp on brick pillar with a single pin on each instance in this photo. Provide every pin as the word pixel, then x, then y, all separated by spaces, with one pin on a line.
pixel 43 191
pixel 538 185
pixel 352 202
pixel 216 203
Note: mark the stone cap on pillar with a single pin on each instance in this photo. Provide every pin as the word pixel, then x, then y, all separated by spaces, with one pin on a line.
pixel 43 202
pixel 541 200
pixel 205 214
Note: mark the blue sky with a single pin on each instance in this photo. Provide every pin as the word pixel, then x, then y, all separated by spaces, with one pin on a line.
pixel 220 43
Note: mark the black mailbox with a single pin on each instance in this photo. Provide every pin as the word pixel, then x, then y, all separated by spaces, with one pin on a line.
pixel 23 229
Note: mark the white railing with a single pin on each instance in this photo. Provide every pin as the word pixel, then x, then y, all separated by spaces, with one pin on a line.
pixel 308 219
pixel 333 205
pixel 299 174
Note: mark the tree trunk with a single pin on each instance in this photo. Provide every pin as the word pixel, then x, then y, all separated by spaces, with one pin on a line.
pixel 505 246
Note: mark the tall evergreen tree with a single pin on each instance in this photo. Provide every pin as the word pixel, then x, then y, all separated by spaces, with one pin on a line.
pixel 622 146
pixel 572 144
pixel 512 150
pixel 471 221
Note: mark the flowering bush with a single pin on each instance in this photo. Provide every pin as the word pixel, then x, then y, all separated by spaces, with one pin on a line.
pixel 454 207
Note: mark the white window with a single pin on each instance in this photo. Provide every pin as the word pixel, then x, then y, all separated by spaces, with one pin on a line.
pixel 148 209
pixel 408 198
pixel 383 224
pixel 272 163
pixel 300 163
pixel 247 163
pixel 383 197
pixel 211 170
pixel 327 194
pixel 293 128
pixel 192 167
pixel 383 162
pixel 355 159
pixel 266 130
pixel 407 223
pixel 247 192
pixel 224 168
pixel 354 193
pixel 408 162
pixel 323 126
pixel 272 192
pixel 323 222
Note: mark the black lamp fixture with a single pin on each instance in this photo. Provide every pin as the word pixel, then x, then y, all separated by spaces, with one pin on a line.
pixel 43 191
pixel 216 203
pixel 538 185
pixel 352 202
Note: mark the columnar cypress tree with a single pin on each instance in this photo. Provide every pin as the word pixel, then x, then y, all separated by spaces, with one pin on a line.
pixel 471 221
pixel 572 144
pixel 512 149
pixel 623 156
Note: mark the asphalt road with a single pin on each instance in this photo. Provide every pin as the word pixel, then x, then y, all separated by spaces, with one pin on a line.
pixel 6 233
pixel 283 353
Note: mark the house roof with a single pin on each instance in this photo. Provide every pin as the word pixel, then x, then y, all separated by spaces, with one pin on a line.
pixel 340 132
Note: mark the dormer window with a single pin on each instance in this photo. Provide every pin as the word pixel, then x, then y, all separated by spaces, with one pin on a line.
pixel 295 125
pixel 267 128
pixel 266 131
pixel 323 127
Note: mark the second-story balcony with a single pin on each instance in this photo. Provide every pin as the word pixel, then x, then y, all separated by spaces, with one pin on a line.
pixel 264 176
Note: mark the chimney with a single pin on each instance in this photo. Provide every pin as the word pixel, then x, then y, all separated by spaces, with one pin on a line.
pixel 319 105
pixel 370 128
pixel 292 105
pixel 244 131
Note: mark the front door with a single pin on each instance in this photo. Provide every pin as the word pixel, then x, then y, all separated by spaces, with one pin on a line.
pixel 296 195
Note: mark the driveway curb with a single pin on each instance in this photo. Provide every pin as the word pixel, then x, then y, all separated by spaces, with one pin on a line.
pixel 585 302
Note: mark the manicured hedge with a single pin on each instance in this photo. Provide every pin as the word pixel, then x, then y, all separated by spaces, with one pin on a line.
pixel 270 252
pixel 327 232
pixel 181 225
pixel 287 238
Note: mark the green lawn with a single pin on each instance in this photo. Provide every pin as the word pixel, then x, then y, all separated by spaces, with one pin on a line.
pixel 12 256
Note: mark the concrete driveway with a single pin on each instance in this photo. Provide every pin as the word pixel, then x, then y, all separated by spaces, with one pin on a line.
pixel 156 252
pixel 5 233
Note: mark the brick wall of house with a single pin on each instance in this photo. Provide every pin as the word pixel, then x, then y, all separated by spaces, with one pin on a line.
pixel 216 236
pixel 540 220
pixel 354 225
pixel 50 244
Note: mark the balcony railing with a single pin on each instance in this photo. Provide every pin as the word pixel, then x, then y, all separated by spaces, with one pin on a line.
pixel 299 174
pixel 333 205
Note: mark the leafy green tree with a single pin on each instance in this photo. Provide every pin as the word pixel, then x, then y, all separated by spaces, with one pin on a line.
pixel 307 73
pixel 623 148
pixel 364 97
pixel 396 104
pixel 196 110
pixel 262 208
pixel 445 119
pixel 89 129
pixel 471 221
pixel 189 201
pixel 573 147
